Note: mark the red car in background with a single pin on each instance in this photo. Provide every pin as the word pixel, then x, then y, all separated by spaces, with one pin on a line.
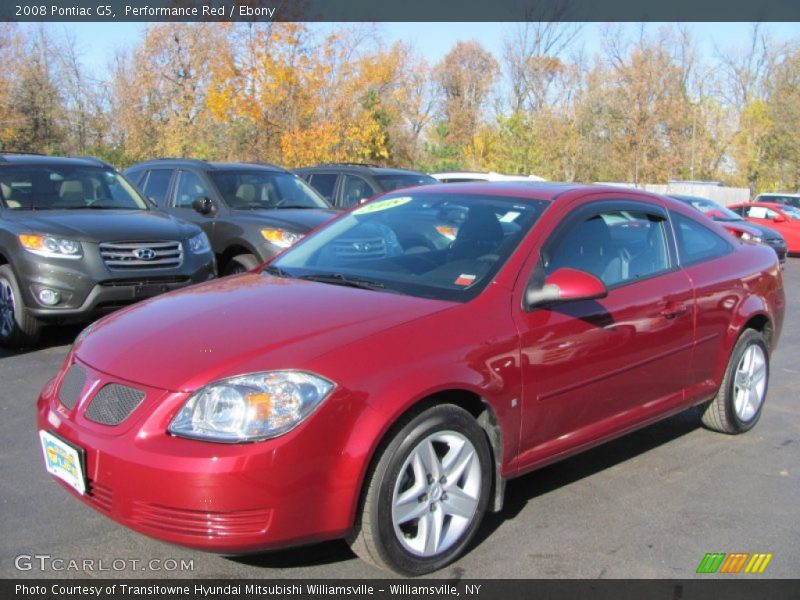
pixel 782 218
pixel 354 388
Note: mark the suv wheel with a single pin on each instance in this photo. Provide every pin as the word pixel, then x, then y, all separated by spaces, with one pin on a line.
pixel 17 327
pixel 241 264
pixel 427 494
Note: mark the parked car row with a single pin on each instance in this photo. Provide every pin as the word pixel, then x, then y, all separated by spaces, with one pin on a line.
pixel 199 218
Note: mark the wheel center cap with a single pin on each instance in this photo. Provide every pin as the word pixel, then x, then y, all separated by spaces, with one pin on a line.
pixel 435 491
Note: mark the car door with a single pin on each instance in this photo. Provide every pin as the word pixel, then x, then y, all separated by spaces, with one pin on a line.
pixel 189 186
pixel 156 185
pixel 595 368
pixel 354 190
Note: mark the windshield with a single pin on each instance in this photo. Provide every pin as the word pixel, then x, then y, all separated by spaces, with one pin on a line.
pixel 791 212
pixel 259 189
pixel 403 180
pixel 714 210
pixel 431 245
pixel 66 188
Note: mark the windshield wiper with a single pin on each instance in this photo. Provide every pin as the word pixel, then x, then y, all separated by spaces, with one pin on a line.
pixel 340 279
pixel 296 206
pixel 277 271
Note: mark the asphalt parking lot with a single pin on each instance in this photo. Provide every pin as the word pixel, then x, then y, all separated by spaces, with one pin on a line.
pixel 649 505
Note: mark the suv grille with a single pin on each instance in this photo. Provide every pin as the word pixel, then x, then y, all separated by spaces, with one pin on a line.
pixel 360 248
pixel 113 404
pixel 72 386
pixel 142 255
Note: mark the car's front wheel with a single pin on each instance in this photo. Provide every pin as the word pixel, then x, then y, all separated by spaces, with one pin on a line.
pixel 427 494
pixel 241 264
pixel 738 403
pixel 17 328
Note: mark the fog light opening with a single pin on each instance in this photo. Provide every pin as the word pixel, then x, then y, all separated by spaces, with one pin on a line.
pixel 49 297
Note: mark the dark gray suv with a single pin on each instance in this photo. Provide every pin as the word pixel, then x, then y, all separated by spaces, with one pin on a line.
pixel 251 212
pixel 77 240
pixel 347 184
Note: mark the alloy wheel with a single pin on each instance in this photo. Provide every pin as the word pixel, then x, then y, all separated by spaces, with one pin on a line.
pixel 436 494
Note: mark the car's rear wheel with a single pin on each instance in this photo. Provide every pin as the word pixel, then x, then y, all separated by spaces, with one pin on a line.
pixel 737 406
pixel 17 328
pixel 241 264
pixel 427 494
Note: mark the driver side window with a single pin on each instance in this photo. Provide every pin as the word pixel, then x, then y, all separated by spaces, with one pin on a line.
pixel 190 187
pixel 616 246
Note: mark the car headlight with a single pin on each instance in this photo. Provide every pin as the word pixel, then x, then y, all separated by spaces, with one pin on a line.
pixel 199 244
pixel 752 238
pixel 250 407
pixel 45 245
pixel 281 237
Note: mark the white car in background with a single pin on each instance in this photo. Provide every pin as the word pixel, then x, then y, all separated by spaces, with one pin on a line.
pixel 467 176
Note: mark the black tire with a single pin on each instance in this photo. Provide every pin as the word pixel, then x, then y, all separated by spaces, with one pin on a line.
pixel 376 537
pixel 18 329
pixel 733 409
pixel 241 264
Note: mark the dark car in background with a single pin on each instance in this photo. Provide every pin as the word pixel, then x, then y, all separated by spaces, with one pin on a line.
pixel 249 211
pixel 347 184
pixel 76 240
pixel 762 234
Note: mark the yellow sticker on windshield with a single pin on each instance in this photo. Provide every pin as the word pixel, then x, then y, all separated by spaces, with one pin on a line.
pixel 381 205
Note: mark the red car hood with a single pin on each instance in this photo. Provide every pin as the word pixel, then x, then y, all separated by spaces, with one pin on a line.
pixel 252 322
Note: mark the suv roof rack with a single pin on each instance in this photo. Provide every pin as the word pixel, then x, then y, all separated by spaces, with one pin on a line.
pixel 17 153
pixel 352 164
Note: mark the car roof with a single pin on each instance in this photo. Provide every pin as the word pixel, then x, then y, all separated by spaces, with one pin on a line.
pixel 42 160
pixel 485 176
pixel 534 190
pixel 359 167
pixel 687 198
pixel 206 165
pixel 774 205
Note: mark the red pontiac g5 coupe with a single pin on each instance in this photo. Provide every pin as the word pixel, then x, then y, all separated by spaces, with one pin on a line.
pixel 382 379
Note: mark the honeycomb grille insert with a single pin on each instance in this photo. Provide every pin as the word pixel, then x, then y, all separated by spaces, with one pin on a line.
pixel 113 403
pixel 72 386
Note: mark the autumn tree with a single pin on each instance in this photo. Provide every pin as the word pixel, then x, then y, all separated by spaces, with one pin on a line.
pixel 464 80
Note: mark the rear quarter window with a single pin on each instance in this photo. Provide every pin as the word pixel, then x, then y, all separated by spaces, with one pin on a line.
pixel 696 242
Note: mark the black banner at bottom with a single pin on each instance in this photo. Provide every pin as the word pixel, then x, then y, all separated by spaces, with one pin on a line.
pixel 488 589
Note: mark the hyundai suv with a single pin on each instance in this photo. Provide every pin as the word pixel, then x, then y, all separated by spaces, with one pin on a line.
pixel 76 239
pixel 251 212
pixel 347 184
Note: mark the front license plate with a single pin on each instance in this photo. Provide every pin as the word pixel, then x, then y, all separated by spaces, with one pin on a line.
pixel 149 290
pixel 64 461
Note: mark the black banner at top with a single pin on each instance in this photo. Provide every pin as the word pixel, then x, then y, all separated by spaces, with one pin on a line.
pixel 399 10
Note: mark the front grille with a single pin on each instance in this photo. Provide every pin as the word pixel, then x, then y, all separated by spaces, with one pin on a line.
pixel 356 248
pixel 200 523
pixel 775 242
pixel 142 255
pixel 113 404
pixel 72 386
pixel 170 279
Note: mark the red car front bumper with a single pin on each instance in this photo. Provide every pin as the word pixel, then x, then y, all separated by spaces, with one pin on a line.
pixel 226 498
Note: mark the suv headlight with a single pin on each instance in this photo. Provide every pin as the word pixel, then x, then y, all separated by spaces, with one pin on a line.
pixel 281 237
pixel 250 407
pixel 199 244
pixel 45 245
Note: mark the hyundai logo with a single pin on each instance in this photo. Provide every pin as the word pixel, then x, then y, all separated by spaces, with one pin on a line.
pixel 144 253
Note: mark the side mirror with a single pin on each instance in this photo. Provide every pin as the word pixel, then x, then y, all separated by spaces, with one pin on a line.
pixel 565 285
pixel 203 205
pixel 779 219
